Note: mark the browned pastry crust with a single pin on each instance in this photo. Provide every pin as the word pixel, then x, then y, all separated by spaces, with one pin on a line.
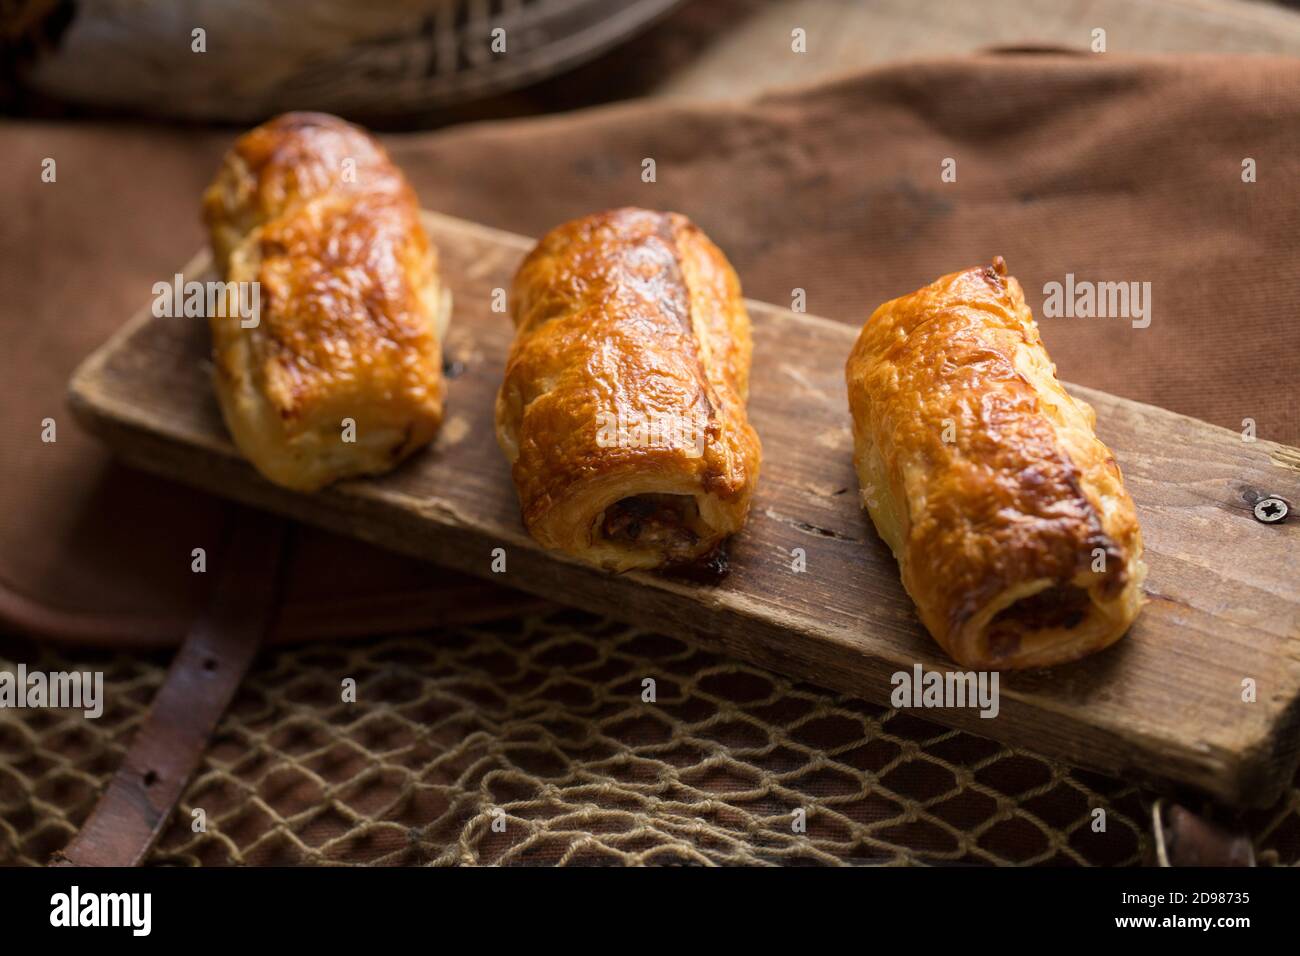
pixel 1008 517
pixel 622 411
pixel 351 315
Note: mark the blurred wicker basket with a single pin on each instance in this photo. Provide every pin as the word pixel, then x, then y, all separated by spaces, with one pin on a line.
pixel 364 60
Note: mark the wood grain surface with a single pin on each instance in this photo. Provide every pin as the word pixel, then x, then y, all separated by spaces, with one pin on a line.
pixel 1163 705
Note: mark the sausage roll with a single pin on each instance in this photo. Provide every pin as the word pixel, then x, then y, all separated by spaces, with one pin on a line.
pixel 1008 517
pixel 342 373
pixel 622 412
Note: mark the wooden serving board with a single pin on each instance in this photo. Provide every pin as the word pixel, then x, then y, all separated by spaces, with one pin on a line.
pixel 1164 704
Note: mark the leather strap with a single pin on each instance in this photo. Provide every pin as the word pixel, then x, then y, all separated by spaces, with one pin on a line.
pixel 1183 838
pixel 198 688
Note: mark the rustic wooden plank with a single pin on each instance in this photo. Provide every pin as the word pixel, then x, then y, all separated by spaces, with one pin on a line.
pixel 1162 705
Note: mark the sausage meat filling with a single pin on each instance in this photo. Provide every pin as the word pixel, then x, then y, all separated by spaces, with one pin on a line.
pixel 1064 605
pixel 664 522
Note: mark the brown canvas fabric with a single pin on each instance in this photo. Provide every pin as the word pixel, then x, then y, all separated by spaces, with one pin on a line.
pixel 1109 168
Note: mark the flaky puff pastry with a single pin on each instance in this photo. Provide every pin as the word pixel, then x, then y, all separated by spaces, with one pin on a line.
pixel 351 307
pixel 1008 517
pixel 622 411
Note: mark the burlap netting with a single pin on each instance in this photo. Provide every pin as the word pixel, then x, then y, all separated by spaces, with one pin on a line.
pixel 538 723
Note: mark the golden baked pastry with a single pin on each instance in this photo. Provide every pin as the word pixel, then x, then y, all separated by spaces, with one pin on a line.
pixel 1008 517
pixel 622 412
pixel 351 307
